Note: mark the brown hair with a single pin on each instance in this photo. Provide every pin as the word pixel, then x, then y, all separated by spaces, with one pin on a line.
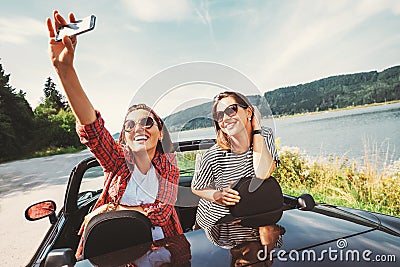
pixel 163 146
pixel 223 140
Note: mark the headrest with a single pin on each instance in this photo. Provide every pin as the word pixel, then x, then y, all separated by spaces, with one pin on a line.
pixel 115 230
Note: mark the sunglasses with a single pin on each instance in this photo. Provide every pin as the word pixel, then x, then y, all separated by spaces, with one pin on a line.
pixel 230 110
pixel 146 122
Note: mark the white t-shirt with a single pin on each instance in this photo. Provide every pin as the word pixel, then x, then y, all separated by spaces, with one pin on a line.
pixel 143 189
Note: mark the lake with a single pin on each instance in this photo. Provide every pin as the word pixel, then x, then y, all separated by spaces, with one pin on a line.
pixel 352 133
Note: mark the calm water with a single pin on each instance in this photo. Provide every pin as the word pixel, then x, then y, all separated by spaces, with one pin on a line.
pixel 341 133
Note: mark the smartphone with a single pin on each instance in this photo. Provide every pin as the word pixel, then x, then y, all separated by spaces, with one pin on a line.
pixel 75 28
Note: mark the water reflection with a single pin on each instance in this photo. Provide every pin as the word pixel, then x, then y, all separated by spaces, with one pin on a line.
pixel 248 246
pixel 170 251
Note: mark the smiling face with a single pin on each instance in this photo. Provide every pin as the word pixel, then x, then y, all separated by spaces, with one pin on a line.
pixel 232 125
pixel 142 138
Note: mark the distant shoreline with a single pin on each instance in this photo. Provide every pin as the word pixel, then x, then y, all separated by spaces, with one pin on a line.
pixel 335 110
pixel 276 117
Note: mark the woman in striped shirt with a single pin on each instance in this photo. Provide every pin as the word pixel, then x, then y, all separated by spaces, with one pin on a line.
pixel 243 149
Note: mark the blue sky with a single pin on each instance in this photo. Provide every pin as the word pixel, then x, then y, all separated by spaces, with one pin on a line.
pixel 275 43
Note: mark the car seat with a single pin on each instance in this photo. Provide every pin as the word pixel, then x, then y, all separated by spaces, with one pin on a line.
pixel 115 230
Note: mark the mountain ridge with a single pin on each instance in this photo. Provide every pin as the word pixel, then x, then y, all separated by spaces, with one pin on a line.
pixel 332 92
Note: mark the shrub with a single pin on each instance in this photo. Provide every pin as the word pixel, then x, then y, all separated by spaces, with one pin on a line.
pixel 340 181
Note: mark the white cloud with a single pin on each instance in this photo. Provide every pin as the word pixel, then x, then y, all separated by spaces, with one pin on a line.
pixel 308 31
pixel 18 30
pixel 177 99
pixel 204 14
pixel 132 28
pixel 370 7
pixel 158 11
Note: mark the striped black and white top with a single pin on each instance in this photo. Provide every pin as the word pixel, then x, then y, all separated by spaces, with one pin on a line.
pixel 217 169
pixel 229 236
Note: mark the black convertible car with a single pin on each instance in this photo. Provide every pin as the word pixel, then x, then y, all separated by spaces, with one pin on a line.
pixel 307 234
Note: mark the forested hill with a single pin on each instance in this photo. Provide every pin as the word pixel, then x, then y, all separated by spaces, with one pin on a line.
pixel 200 116
pixel 328 93
pixel 190 118
pixel 336 92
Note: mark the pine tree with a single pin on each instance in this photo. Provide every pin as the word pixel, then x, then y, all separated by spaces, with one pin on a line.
pixel 16 120
pixel 53 98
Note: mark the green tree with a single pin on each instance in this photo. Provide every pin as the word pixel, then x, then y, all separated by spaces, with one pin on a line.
pixel 16 120
pixel 53 98
pixel 55 123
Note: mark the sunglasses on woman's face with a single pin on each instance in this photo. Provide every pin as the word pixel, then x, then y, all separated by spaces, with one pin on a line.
pixel 230 110
pixel 146 122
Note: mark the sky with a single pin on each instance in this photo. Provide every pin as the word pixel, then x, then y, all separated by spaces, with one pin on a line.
pixel 275 43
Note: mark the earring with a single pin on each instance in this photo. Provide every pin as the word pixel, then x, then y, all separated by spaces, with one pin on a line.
pixel 249 119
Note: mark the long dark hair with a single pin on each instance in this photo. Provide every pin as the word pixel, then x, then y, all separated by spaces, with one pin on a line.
pixel 163 146
pixel 223 140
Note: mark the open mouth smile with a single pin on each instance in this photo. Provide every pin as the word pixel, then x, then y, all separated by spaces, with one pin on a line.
pixel 139 138
pixel 229 125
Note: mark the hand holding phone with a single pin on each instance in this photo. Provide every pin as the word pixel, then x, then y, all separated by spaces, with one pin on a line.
pixel 76 28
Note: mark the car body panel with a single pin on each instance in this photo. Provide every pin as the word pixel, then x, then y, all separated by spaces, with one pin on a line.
pixel 308 232
pixel 359 250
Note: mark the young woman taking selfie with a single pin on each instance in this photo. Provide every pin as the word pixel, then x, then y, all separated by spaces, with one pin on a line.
pixel 140 172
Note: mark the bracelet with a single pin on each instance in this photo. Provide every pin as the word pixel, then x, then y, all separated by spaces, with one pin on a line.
pixel 257 132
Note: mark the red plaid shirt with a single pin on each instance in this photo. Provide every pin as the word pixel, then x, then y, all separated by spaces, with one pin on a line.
pixel 117 171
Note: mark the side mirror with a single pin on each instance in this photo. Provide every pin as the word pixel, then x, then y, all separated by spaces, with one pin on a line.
pixel 41 210
pixel 60 257
pixel 306 202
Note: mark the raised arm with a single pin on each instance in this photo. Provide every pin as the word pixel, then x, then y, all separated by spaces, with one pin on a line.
pixel 263 162
pixel 62 56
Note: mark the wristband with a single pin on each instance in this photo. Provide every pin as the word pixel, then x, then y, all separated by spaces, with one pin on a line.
pixel 257 132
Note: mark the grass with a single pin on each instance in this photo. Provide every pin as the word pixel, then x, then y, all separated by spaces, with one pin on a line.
pixel 186 161
pixel 55 151
pixel 50 151
pixel 372 185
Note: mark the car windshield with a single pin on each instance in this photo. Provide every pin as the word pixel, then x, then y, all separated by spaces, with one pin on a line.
pixel 93 178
